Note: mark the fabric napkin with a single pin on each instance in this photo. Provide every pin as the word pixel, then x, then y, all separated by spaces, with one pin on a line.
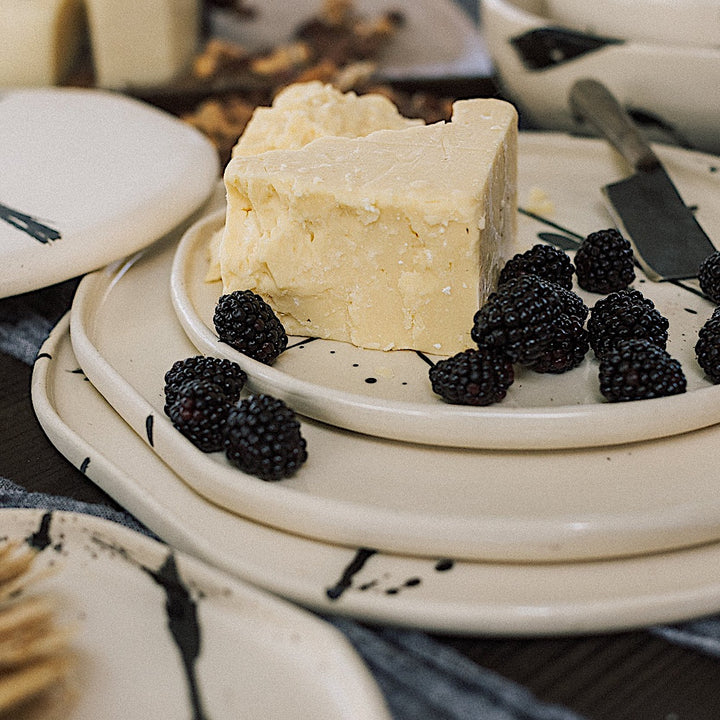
pixel 419 676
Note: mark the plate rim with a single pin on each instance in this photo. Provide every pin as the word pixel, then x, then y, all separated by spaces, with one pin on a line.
pixel 307 632
pixel 670 604
pixel 456 425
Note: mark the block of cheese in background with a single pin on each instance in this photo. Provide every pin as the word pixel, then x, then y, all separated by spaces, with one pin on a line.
pixel 388 241
pixel 132 42
pixel 142 42
pixel 39 40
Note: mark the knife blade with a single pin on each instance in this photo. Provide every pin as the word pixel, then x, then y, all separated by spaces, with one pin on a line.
pixel 669 242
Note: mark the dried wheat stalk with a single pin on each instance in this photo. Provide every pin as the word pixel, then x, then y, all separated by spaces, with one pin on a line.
pixel 35 655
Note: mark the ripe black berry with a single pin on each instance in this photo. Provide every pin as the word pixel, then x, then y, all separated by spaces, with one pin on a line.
pixel 522 316
pixel 709 276
pixel 263 438
pixel 707 347
pixel 604 262
pixel 473 377
pixel 567 347
pixel 247 323
pixel 227 375
pixel 545 261
pixel 625 315
pixel 639 370
pixel 199 412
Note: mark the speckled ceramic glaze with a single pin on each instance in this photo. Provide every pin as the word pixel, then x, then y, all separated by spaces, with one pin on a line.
pixel 89 177
pixel 434 592
pixel 160 634
pixel 432 500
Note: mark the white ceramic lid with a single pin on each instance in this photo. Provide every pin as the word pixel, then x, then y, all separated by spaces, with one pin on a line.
pixel 89 177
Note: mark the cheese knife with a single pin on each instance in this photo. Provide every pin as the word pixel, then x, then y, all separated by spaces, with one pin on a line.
pixel 668 241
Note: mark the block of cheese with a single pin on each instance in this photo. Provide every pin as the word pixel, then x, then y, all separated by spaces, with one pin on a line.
pixel 142 42
pixel 39 40
pixel 388 241
pixel 303 112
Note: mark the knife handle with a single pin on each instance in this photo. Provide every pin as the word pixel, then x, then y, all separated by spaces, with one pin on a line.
pixel 591 101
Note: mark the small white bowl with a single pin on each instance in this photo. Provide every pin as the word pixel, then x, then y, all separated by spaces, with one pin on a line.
pixel 673 91
pixel 671 22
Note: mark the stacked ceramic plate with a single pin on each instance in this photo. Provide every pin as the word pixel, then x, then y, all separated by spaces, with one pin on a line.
pixel 88 179
pixel 660 58
pixel 550 512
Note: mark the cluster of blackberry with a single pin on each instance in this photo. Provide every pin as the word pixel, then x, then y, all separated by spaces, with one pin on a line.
pixel 260 434
pixel 535 320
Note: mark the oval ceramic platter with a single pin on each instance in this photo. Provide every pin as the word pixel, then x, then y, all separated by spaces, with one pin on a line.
pixel 388 393
pixel 89 177
pixel 157 633
pixel 362 490
pixel 435 593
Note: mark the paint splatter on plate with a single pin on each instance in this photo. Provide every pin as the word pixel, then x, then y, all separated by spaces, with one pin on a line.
pixel 160 634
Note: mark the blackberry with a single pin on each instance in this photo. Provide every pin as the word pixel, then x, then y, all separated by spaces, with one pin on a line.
pixel 567 348
pixel 545 261
pixel 226 374
pixel 625 315
pixel 520 317
pixel 709 276
pixel 604 262
pixel 707 347
pixel 263 438
pixel 247 323
pixel 639 370
pixel 199 412
pixel 473 377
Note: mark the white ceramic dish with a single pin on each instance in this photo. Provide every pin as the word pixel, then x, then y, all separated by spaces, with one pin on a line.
pixel 674 90
pixel 434 594
pixel 438 39
pixel 89 177
pixel 360 490
pixel 138 607
pixel 675 22
pixel 389 394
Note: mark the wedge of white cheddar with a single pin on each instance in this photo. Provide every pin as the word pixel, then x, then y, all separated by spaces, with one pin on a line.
pixel 303 112
pixel 387 241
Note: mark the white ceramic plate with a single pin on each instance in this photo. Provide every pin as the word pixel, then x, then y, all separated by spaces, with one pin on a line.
pixel 388 394
pixel 138 608
pixel 437 40
pixel 360 490
pixel 89 177
pixel 434 593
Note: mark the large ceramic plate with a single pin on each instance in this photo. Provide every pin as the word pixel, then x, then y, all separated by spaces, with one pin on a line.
pixel 160 634
pixel 433 593
pixel 88 177
pixel 388 393
pixel 437 39
pixel 360 490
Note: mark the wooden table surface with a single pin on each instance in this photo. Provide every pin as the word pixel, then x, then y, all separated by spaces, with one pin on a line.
pixel 622 676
